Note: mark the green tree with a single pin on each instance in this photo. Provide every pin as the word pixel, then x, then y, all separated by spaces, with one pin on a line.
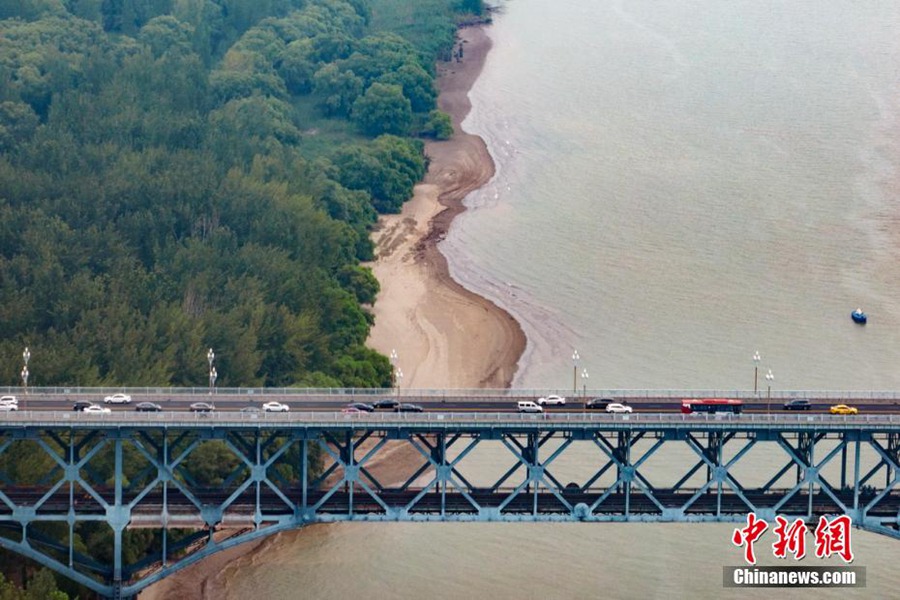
pixel 383 109
pixel 350 206
pixel 233 84
pixel 30 9
pixel 128 16
pixel 337 90
pixel 296 65
pixel 360 281
pixel 18 123
pixel 210 463
pixel 360 366
pixel 256 118
pixel 332 46
pixel 167 34
pixel 86 9
pixel 249 127
pixel 387 169
pixel 42 586
pixel 417 85
pixel 41 58
pixel 379 54
pixel 211 36
pixel 263 43
pixel 438 125
pixel 8 590
pixel 476 7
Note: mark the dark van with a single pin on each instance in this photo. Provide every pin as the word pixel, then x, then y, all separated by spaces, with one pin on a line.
pixel 598 403
pixel 797 404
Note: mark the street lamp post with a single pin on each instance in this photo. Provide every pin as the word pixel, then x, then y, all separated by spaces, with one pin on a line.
pixel 575 358
pixel 756 359
pixel 393 358
pixel 399 375
pixel 584 378
pixel 211 357
pixel 769 379
pixel 26 356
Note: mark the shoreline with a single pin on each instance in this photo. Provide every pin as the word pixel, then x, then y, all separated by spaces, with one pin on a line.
pixel 446 335
pixel 458 338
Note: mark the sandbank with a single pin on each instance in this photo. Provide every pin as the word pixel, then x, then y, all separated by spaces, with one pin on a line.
pixel 445 335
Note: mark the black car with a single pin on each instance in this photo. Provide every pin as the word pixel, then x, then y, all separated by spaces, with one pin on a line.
pixel 147 407
pixel 597 403
pixel 797 404
pixel 80 405
pixel 361 406
pixel 386 404
pixel 409 408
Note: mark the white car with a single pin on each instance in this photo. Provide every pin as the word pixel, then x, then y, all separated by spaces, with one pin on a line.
pixel 615 407
pixel 8 407
pixel 276 407
pixel 552 399
pixel 527 406
pixel 118 399
pixel 96 409
pixel 9 400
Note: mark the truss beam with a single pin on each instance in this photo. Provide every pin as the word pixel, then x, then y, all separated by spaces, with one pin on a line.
pixel 286 477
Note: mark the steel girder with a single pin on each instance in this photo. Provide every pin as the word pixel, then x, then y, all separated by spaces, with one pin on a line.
pixel 270 480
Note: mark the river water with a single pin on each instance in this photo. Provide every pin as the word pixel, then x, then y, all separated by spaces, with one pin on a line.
pixel 679 184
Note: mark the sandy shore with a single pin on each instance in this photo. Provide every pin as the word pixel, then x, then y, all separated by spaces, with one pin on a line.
pixel 445 335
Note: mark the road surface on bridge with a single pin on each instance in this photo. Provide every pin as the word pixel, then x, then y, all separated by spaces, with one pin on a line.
pixel 430 402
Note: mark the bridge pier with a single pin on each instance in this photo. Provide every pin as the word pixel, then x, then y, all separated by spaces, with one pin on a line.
pixel 844 464
pixel 893 451
pixel 804 454
pixel 713 452
pixel 622 454
pixel 442 472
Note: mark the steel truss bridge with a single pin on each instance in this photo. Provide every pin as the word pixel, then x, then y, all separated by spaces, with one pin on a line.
pixel 193 485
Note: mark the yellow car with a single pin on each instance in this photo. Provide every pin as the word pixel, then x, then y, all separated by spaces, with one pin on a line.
pixel 843 409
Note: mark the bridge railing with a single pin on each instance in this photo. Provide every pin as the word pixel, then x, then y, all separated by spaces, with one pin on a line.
pixel 130 418
pixel 475 393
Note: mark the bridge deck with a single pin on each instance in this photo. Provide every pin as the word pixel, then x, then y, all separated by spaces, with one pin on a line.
pixel 451 421
pixel 129 470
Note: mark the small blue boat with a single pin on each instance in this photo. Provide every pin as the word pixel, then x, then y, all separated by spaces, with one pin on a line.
pixel 859 317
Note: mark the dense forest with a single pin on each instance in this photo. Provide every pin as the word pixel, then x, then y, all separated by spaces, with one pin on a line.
pixel 177 175
pixel 183 174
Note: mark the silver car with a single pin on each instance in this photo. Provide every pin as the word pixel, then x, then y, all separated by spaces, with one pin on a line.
pixel 117 399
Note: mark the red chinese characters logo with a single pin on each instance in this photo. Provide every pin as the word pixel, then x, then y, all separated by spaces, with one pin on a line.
pixel 748 535
pixel 834 538
pixel 831 537
pixel 791 538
